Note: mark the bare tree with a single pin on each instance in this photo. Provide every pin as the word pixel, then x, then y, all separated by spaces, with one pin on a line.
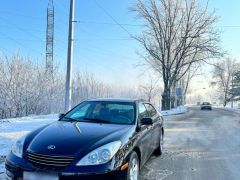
pixel 177 34
pixel 223 74
pixel 86 86
pixel 150 90
pixel 193 72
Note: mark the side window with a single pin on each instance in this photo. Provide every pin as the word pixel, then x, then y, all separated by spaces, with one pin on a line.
pixel 142 111
pixel 151 110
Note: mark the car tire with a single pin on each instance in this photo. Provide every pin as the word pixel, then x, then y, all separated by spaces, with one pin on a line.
pixel 159 150
pixel 133 168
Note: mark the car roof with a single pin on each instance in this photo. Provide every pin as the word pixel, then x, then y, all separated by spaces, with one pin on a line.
pixel 116 100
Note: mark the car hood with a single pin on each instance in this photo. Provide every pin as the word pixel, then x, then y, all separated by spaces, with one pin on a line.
pixel 71 138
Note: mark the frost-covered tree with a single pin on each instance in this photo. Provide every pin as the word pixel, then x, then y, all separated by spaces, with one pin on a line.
pixel 235 87
pixel 150 90
pixel 25 89
pixel 176 34
pixel 223 74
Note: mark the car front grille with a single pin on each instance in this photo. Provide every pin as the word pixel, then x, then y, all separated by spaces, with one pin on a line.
pixel 49 161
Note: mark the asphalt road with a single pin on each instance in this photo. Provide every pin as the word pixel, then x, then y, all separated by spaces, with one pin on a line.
pixel 199 145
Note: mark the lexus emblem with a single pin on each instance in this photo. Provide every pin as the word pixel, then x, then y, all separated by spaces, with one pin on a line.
pixel 51 147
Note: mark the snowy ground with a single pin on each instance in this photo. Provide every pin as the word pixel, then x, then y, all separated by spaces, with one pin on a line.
pixel 175 111
pixel 237 110
pixel 12 129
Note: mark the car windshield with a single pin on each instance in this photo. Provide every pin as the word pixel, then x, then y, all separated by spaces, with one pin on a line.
pixel 103 112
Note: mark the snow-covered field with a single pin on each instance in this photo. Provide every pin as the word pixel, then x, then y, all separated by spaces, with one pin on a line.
pixel 12 129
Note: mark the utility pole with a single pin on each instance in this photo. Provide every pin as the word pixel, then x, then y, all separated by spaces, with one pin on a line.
pixel 232 89
pixel 68 95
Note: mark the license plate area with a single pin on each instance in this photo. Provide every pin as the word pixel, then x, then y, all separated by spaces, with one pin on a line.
pixel 39 175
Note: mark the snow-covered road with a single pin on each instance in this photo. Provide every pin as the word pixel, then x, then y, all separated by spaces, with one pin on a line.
pixel 198 145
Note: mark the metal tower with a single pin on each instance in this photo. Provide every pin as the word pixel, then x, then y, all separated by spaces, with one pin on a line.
pixel 49 39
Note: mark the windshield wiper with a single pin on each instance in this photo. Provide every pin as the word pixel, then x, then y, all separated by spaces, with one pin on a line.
pixel 70 119
pixel 86 119
pixel 97 120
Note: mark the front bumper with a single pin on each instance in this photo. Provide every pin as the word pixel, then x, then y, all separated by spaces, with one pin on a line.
pixel 16 166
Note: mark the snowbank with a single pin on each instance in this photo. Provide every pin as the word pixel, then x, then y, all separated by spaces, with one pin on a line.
pixel 237 110
pixel 12 129
pixel 175 111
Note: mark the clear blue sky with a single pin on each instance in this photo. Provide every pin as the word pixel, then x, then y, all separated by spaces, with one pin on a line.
pixel 104 49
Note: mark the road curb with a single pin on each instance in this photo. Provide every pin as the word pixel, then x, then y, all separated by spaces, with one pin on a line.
pixel 228 110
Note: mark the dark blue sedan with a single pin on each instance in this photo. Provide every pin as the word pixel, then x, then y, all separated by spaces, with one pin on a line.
pixel 100 138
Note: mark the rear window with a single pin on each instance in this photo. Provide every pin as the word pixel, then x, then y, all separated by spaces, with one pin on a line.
pixel 206 103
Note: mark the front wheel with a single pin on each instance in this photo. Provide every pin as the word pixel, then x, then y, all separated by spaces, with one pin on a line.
pixel 159 150
pixel 133 169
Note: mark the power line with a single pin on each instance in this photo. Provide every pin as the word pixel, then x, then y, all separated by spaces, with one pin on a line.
pixel 21 29
pixel 107 52
pixel 26 32
pixel 106 39
pixel 86 30
pixel 22 15
pixel 17 42
pixel 19 39
pixel 108 23
pixel 100 65
pixel 90 22
pixel 230 26
pixel 95 36
pixel 109 15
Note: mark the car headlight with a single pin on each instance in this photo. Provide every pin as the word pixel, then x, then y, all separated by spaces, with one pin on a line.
pixel 100 155
pixel 17 148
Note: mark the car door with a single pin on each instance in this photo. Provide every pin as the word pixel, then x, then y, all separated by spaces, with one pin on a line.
pixel 156 126
pixel 145 134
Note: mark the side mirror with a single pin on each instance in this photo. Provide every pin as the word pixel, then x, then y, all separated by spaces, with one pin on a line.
pixel 146 121
pixel 60 116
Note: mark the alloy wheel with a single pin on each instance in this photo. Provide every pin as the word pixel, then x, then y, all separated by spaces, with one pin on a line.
pixel 134 169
